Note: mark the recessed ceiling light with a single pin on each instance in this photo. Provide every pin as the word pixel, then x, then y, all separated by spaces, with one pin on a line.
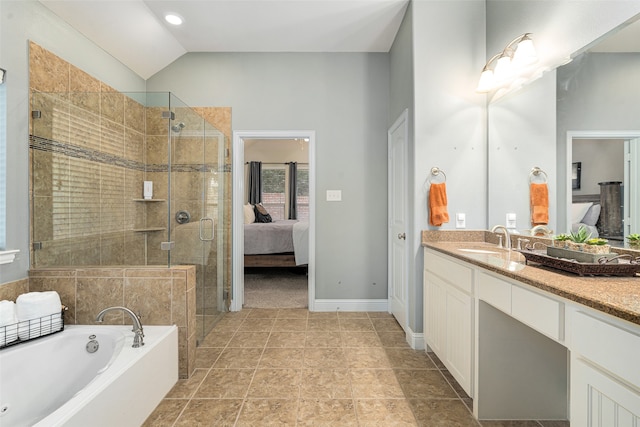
pixel 173 19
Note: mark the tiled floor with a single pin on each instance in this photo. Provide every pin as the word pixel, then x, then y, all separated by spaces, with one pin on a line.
pixel 292 367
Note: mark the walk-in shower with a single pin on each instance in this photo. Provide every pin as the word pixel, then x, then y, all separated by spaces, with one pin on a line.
pixel 91 153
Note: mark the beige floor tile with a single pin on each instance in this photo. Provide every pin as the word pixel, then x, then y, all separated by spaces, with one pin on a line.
pixel 206 356
pixel 275 384
pixel 366 357
pixel 326 315
pixel 360 339
pixel 166 413
pixel 323 339
pixel 356 325
pixel 327 413
pixel 393 339
pixel 375 384
pixel 219 338
pixel 352 315
pixel 379 314
pixel 184 389
pixel 442 412
pixel 287 339
pixel 268 412
pixel 256 325
pixel 323 325
pixel 225 384
pixel 282 358
pixel 522 423
pixel 386 325
pixel 324 358
pixel 293 325
pixel 210 412
pixel 227 325
pixel 407 358
pixel 325 384
pixel 263 313
pixel 384 413
pixel 293 313
pixel 249 339
pixel 239 358
pixel 424 384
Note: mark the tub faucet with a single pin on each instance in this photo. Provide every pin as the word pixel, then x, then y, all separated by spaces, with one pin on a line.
pixel 507 238
pixel 137 326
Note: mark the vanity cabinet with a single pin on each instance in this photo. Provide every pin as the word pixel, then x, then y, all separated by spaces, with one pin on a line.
pixel 448 315
pixel 605 378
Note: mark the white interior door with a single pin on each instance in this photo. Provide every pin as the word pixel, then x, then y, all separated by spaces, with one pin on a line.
pixel 397 252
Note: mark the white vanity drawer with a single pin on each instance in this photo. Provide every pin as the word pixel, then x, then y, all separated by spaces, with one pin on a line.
pixel 613 348
pixel 541 313
pixel 494 291
pixel 456 274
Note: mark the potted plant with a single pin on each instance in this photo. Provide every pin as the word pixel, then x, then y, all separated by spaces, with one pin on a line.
pixel 597 246
pixel 578 239
pixel 634 240
pixel 560 241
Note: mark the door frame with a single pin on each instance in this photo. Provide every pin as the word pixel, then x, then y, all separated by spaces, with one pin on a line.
pixel 237 298
pixel 590 134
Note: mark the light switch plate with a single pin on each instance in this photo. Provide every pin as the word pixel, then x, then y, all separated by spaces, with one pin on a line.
pixel 511 220
pixel 334 195
pixel 460 220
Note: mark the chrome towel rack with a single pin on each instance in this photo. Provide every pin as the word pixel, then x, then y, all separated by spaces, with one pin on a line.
pixel 435 171
pixel 537 172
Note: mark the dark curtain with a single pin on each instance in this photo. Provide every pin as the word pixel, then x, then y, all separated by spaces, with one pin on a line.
pixel 255 182
pixel 293 190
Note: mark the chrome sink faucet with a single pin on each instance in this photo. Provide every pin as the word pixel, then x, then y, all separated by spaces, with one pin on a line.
pixel 137 326
pixel 507 238
pixel 541 229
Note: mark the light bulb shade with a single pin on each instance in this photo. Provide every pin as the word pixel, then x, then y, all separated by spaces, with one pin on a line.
pixel 486 83
pixel 503 68
pixel 525 53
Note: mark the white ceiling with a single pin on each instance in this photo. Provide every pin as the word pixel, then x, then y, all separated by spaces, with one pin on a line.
pixel 135 32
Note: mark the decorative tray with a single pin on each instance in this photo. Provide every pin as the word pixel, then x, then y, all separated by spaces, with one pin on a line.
pixel 622 265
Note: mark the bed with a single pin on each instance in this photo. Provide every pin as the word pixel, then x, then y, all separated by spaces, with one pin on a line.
pixel 282 243
pixel 585 212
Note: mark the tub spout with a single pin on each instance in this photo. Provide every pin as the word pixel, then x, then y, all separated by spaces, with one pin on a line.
pixel 137 325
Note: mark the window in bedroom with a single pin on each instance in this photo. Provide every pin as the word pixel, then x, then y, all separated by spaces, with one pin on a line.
pixel 273 190
pixel 302 196
pixel 3 159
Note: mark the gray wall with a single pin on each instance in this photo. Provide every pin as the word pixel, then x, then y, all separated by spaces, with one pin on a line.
pixel 344 97
pixel 21 21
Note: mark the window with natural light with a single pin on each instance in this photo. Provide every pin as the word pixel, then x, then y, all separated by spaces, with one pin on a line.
pixel 3 161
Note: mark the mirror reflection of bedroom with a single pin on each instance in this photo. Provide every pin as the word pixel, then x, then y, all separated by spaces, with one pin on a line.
pixel 276 227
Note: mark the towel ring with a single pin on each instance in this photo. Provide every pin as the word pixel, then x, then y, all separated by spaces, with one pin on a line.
pixel 435 171
pixel 536 171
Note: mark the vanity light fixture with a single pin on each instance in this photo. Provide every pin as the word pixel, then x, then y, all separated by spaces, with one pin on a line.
pixel 509 65
pixel 173 19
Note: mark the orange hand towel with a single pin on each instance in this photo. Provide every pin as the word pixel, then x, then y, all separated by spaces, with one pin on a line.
pixel 539 194
pixel 438 204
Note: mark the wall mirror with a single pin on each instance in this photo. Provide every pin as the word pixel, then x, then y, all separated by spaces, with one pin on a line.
pixel 582 112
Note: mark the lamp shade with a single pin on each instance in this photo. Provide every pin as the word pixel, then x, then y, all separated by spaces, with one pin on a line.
pixel 487 82
pixel 503 68
pixel 525 53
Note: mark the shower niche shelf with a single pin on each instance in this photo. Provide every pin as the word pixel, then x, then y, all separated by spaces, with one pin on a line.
pixel 148 230
pixel 149 200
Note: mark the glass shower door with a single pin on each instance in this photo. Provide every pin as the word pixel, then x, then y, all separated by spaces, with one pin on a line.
pixel 197 211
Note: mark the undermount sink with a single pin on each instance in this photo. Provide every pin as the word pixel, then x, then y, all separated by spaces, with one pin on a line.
pixel 479 251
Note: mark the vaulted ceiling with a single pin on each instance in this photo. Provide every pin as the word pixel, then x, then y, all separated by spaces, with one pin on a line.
pixel 136 33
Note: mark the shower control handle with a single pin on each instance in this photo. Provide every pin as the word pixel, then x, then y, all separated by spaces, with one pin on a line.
pixel 183 217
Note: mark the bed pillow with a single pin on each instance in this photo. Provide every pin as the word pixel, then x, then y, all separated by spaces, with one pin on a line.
pixel 592 215
pixel 578 211
pixel 249 214
pixel 261 214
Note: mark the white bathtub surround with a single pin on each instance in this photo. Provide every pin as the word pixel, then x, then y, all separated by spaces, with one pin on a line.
pixel 72 386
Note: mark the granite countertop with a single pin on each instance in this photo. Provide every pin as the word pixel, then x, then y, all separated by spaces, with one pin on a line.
pixel 617 296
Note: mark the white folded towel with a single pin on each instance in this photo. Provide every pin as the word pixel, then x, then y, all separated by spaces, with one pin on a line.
pixel 8 322
pixel 38 314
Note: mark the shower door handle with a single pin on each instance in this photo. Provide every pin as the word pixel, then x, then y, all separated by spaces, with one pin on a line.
pixel 202 221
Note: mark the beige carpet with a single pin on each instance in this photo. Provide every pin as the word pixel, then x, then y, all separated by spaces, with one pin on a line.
pixel 275 288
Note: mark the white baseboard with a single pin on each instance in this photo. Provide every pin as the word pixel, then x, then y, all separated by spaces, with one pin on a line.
pixel 350 305
pixel 415 339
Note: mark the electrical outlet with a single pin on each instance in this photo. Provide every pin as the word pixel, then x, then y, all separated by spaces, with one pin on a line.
pixel 461 220
pixel 511 220
pixel 334 195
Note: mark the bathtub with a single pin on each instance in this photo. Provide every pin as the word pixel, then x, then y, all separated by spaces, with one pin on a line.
pixel 58 381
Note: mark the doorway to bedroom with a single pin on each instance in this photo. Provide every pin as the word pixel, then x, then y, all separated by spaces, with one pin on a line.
pixel 273 220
